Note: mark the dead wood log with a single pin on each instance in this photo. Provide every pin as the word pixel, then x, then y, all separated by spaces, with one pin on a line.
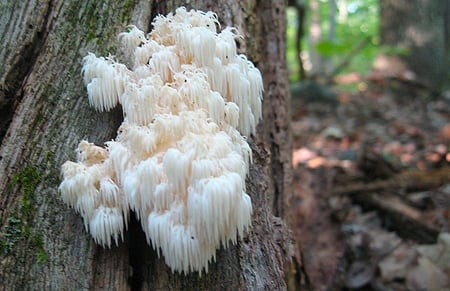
pixel 407 181
pixel 396 213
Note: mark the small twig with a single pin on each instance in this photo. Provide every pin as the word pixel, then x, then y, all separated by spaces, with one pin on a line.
pixel 348 58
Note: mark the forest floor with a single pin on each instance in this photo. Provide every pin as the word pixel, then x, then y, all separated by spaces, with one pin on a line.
pixel 371 203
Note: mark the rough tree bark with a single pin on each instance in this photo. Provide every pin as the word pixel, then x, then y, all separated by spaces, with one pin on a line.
pixel 44 113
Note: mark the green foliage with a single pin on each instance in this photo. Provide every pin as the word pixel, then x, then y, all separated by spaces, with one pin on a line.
pixel 13 233
pixel 41 254
pixel 356 22
pixel 330 48
pixel 28 179
pixel 389 50
pixel 20 221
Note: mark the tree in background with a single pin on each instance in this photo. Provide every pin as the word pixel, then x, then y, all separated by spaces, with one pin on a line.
pixel 345 36
pixel 339 36
pixel 421 29
pixel 43 243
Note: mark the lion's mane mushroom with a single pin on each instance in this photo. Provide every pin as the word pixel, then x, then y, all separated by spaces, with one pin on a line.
pixel 180 158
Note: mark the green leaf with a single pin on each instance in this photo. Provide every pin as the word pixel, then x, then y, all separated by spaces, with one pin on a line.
pixel 328 48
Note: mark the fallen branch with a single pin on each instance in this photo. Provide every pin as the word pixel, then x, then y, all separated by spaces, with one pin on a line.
pixel 407 181
pixel 397 214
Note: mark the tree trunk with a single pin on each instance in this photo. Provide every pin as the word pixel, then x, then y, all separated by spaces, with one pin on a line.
pixel 421 29
pixel 45 113
pixel 315 35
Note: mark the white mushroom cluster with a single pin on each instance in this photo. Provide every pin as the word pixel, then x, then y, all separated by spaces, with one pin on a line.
pixel 180 158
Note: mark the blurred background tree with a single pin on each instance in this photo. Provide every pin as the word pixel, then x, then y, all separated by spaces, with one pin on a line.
pixel 421 28
pixel 327 38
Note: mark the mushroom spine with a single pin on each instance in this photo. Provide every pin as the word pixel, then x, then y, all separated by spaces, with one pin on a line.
pixel 180 157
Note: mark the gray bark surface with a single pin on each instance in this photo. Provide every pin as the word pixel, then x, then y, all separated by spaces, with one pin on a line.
pixel 44 113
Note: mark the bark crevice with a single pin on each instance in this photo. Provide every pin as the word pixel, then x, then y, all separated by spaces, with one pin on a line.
pixel 12 92
pixel 136 249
